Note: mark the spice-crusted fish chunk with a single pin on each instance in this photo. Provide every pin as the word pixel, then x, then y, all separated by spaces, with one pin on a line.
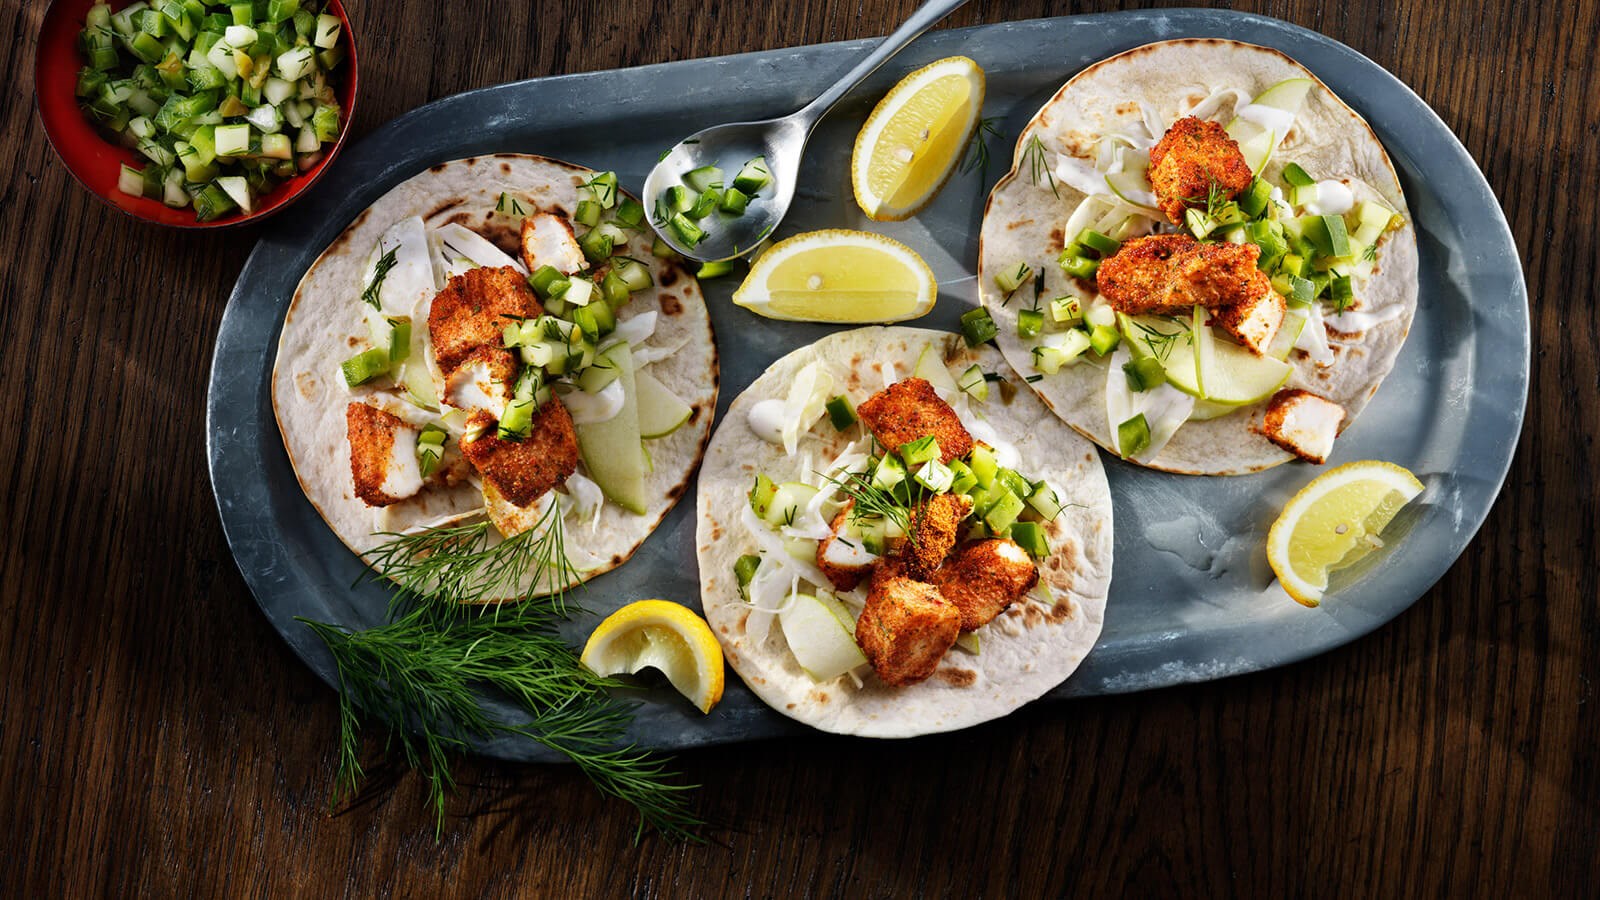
pixel 843 561
pixel 1138 278
pixel 1192 157
pixel 983 578
pixel 1167 274
pixel 1253 322
pixel 1302 423
pixel 548 240
pixel 911 409
pixel 473 310
pixel 483 380
pixel 383 455
pixel 905 629
pixel 523 470
pixel 934 525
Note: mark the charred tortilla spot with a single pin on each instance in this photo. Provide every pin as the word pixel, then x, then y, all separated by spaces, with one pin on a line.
pixel 1019 223
pixel 670 305
pixel 957 677
pixel 498 233
pixel 1031 616
pixel 442 208
pixel 352 341
pixel 306 384
pixel 675 492
pixel 1058 238
pixel 505 168
pixel 438 168
pixel 1061 612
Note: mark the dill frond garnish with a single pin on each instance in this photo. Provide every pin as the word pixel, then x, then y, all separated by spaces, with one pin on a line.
pixel 380 271
pixel 1369 252
pixel 1039 163
pixel 978 153
pixel 460 564
pixel 873 502
pixel 418 679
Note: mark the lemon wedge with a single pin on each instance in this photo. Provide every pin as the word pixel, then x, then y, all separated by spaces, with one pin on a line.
pixel 915 137
pixel 835 275
pixel 1333 522
pixel 661 635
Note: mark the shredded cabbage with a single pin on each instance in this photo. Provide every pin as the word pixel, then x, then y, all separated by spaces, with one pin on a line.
pixel 1212 104
pixel 588 409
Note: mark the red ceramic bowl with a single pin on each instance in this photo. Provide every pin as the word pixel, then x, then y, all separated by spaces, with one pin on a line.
pixel 96 161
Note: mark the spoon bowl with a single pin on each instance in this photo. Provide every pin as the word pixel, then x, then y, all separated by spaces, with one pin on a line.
pixel 729 147
pixel 782 141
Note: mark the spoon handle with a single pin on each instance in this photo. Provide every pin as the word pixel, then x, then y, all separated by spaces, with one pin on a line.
pixel 921 20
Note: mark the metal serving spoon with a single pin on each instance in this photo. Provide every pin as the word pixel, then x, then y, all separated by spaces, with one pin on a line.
pixel 781 141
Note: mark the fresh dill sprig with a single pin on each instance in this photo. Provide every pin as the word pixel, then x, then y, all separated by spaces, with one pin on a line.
pixel 604 191
pixel 1038 163
pixel 978 152
pixel 380 271
pixel 1369 252
pixel 871 501
pixel 456 564
pixel 418 678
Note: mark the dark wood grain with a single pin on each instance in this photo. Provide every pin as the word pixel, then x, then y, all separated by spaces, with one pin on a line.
pixel 158 738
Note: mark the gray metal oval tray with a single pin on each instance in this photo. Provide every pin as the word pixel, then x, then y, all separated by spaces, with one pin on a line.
pixel 1190 599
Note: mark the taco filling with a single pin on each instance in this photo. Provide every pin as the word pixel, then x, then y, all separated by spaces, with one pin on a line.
pixel 915 533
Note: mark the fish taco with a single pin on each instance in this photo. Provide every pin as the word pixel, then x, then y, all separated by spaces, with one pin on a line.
pixel 491 353
pixel 1202 258
pixel 896 538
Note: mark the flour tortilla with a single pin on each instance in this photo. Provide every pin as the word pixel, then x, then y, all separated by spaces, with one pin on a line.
pixel 1024 221
pixel 1025 652
pixel 325 326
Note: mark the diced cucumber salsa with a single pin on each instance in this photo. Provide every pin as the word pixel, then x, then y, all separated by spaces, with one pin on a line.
pixel 684 208
pixel 224 100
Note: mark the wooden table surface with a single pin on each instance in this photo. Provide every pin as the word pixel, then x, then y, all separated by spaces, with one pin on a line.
pixel 158 737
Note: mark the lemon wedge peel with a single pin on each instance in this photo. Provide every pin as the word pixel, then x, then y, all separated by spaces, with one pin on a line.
pixel 839 276
pixel 915 137
pixel 1329 524
pixel 663 635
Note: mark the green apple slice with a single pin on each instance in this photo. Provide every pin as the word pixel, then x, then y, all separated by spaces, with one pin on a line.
pixel 1168 342
pixel 1257 149
pixel 1205 410
pixel 931 368
pixel 818 639
pixel 1294 322
pixel 661 412
pixel 1257 140
pixel 613 450
pixel 1234 376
